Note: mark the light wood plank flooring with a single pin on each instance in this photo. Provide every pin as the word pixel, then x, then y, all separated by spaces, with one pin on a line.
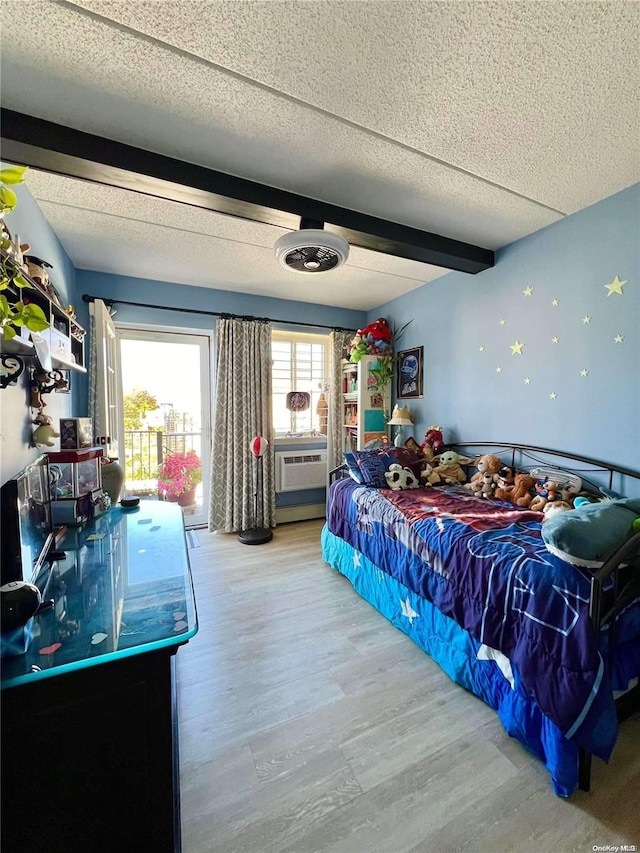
pixel 309 723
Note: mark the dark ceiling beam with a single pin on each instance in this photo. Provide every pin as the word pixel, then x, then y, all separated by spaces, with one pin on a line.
pixel 31 141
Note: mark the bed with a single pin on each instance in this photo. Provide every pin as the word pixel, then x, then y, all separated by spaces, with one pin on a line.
pixel 554 648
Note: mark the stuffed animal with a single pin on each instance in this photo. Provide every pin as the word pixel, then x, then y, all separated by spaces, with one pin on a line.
pixel 519 493
pixel 44 432
pixel 431 477
pixel 487 464
pixel 487 486
pixel 374 339
pixel 448 467
pixel 551 509
pixel 433 442
pixel 504 477
pixel 399 478
pixel 548 491
pixel 589 534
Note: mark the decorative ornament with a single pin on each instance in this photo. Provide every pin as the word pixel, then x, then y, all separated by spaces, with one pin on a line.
pixel 586 319
pixel 498 370
pixel 10 369
pixel 555 302
pixel 503 322
pixel 615 286
pixel 527 381
pixel 298 401
pixel 555 340
pixel 553 395
pixel 528 291
pixel 481 349
pixel 516 349
pixel 584 372
pixel 618 339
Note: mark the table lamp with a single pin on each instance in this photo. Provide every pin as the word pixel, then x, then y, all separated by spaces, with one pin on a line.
pixel 400 417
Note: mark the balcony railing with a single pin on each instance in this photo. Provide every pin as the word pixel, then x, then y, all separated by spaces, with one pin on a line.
pixel 144 451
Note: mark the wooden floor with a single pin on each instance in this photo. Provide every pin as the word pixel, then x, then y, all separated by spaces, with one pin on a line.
pixel 309 723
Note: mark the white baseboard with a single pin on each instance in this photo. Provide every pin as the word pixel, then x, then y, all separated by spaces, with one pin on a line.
pixel 301 512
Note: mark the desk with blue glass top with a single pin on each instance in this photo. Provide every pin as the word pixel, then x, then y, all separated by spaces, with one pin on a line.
pixel 89 724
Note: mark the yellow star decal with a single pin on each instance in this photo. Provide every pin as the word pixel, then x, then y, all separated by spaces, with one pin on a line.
pixel 586 319
pixel 615 286
pixel 481 349
pixel 528 291
pixel 555 340
pixel 618 339
pixel 498 370
pixel 516 349
pixel 555 302
pixel 527 381
pixel 502 322
pixel 553 395
pixel 584 372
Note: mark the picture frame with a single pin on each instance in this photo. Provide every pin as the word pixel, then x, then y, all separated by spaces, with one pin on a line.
pixel 409 374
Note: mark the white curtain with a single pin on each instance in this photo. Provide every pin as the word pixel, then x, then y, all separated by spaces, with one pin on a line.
pixel 338 349
pixel 243 410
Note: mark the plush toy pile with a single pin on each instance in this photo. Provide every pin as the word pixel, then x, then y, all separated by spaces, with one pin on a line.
pixel 374 339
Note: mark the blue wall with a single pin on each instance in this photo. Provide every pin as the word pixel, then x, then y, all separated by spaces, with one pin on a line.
pixel 28 221
pixel 458 321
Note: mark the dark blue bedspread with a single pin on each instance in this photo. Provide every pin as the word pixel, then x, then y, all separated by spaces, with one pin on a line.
pixel 484 564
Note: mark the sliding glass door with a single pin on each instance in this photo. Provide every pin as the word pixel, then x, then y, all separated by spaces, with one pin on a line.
pixel 166 403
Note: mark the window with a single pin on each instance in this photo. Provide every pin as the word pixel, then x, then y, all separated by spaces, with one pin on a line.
pixel 299 363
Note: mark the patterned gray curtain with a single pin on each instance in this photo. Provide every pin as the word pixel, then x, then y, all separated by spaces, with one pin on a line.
pixel 242 411
pixel 338 349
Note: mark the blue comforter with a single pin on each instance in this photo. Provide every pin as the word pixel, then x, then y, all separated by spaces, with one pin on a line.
pixel 484 564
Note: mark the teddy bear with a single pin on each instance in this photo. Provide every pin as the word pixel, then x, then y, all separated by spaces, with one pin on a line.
pixel 519 493
pixel 44 431
pixel 487 486
pixel 486 464
pixel 399 478
pixel 448 467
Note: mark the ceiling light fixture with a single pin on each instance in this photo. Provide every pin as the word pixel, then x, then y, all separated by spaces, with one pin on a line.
pixel 311 249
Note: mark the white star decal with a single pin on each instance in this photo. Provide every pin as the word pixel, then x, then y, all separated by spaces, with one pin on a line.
pixel 408 611
pixel 481 349
pixel 516 349
pixel 618 339
pixel 356 561
pixel 553 395
pixel 528 291
pixel 527 381
pixel 555 302
pixel 502 322
pixel 584 372
pixel 586 319
pixel 555 340
pixel 498 370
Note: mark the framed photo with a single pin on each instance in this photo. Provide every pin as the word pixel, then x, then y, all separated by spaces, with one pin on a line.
pixel 409 374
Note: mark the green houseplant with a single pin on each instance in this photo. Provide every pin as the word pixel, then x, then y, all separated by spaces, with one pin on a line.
pixel 178 476
pixel 14 313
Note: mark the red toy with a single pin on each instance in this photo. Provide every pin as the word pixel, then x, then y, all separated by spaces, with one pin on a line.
pixel 434 440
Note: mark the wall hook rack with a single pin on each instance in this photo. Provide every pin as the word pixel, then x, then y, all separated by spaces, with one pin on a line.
pixel 11 367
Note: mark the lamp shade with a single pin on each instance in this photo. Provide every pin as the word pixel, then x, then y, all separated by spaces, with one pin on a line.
pixel 259 446
pixel 400 416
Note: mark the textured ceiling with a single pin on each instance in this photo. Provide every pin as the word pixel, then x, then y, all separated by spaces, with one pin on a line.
pixel 480 121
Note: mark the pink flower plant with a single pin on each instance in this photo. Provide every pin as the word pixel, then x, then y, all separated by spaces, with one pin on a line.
pixel 179 473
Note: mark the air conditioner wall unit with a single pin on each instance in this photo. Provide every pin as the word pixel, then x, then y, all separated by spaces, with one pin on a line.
pixel 296 471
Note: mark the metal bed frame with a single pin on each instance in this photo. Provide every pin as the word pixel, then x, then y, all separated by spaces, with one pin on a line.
pixel 621 572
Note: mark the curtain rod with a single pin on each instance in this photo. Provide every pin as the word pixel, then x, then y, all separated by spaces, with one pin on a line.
pixel 224 314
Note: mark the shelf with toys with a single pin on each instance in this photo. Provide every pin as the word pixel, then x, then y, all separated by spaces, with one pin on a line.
pixel 366 388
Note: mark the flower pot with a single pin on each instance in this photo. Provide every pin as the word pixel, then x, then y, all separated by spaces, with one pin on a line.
pixel 187 498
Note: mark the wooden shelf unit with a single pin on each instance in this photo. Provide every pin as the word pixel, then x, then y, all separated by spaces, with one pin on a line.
pixel 365 409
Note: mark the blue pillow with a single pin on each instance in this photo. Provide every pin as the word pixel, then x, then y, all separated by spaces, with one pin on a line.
pixel 352 465
pixel 374 464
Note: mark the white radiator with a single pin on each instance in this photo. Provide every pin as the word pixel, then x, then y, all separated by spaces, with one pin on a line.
pixel 296 471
